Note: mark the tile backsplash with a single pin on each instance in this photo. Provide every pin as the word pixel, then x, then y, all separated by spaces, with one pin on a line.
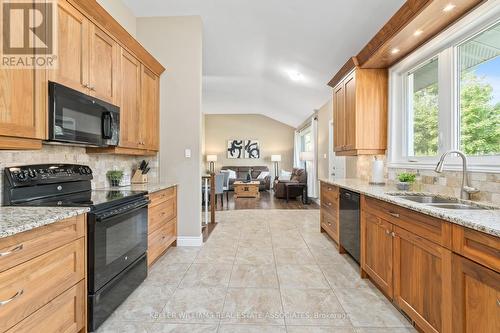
pixel 99 163
pixel 447 183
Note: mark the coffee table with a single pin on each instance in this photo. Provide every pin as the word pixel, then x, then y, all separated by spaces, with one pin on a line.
pixel 246 190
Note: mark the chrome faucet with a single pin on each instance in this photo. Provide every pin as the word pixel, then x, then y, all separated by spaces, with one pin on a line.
pixel 466 190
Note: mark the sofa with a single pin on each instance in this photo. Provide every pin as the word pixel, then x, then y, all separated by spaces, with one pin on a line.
pixel 298 176
pixel 241 175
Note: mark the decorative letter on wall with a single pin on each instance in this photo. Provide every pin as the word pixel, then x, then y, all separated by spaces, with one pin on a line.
pixel 235 149
pixel 252 149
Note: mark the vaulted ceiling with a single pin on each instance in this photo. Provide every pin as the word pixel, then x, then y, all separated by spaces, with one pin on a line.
pixel 274 57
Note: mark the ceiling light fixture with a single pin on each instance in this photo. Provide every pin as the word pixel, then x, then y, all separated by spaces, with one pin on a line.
pixel 418 33
pixel 449 7
pixel 395 50
pixel 295 76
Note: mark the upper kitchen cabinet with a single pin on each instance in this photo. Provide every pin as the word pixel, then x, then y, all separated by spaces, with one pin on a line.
pixel 360 110
pixel 104 66
pixel 73 38
pixel 22 116
pixel 130 121
pixel 150 109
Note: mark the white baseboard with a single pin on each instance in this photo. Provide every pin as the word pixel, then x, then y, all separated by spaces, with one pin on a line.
pixel 190 240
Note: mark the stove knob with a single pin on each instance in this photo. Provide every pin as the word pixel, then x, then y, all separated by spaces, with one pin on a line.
pixel 32 173
pixel 22 176
pixel 88 170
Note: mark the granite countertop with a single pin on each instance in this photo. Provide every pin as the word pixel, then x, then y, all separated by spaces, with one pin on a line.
pixel 148 187
pixel 487 221
pixel 14 220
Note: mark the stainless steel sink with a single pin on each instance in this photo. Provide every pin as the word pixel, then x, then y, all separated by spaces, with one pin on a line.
pixel 438 201
pixel 456 206
pixel 428 199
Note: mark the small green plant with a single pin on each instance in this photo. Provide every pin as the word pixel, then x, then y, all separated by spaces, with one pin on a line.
pixel 114 176
pixel 406 177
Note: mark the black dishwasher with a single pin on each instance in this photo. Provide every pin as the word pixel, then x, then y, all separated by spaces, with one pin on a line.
pixel 349 222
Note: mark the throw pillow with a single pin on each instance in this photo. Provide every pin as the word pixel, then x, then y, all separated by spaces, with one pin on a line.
pixel 263 175
pixel 285 175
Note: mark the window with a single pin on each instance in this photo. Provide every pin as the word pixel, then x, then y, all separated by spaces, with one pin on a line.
pixel 423 93
pixel 446 95
pixel 479 71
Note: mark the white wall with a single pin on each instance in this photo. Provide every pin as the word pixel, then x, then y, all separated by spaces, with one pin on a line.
pixel 121 13
pixel 176 42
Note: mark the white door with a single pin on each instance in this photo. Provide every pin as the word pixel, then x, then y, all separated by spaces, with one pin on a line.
pixel 336 164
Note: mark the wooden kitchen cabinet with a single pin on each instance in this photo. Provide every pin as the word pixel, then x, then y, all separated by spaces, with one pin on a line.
pixel 329 210
pixel 360 112
pixel 150 109
pixel 162 223
pixel 130 117
pixel 476 297
pixel 377 250
pixel 104 66
pixel 422 275
pixel 73 38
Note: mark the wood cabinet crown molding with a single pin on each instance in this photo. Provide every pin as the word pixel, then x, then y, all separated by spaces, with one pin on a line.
pixel 427 16
pixel 101 17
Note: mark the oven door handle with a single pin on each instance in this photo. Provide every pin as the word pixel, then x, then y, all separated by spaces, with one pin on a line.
pixel 103 215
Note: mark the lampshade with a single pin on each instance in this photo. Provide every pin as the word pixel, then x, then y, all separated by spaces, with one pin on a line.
pixel 306 156
pixel 211 158
pixel 275 158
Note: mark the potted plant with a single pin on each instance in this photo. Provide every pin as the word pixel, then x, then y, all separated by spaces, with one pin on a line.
pixel 405 180
pixel 114 177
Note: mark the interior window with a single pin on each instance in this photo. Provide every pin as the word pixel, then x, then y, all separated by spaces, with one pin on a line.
pixel 423 107
pixel 479 72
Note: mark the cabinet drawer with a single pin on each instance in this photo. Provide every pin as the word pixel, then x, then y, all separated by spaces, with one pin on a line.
pixel 66 313
pixel 160 240
pixel 161 196
pixel 38 281
pixel 330 224
pixel 161 214
pixel 425 226
pixel 477 246
pixel 27 245
pixel 329 195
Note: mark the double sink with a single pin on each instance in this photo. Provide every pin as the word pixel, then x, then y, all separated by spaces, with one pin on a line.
pixel 440 202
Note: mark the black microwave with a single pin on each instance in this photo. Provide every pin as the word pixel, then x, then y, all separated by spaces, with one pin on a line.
pixel 76 118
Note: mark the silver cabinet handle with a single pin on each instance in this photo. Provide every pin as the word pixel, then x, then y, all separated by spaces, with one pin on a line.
pixel 498 302
pixel 19 293
pixel 16 249
pixel 393 234
pixel 394 214
pixel 329 204
pixel 387 232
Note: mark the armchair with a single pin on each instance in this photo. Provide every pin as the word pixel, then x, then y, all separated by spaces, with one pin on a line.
pixel 299 176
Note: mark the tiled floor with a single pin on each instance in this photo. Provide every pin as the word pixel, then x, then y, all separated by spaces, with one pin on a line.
pixel 260 271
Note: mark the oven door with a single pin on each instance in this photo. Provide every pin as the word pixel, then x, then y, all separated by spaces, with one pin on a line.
pixel 81 119
pixel 115 241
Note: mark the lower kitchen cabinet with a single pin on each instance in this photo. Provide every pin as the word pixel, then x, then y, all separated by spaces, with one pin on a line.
pixel 445 278
pixel 42 279
pixel 422 271
pixel 376 250
pixel 329 213
pixel 476 297
pixel 162 223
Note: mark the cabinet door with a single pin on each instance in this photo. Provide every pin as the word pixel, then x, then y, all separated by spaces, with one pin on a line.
pixel 338 118
pixel 20 112
pixel 130 120
pixel 376 247
pixel 422 278
pixel 350 112
pixel 103 66
pixel 476 297
pixel 73 44
pixel 149 109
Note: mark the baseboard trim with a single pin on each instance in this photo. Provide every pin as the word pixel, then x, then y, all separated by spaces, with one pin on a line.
pixel 190 240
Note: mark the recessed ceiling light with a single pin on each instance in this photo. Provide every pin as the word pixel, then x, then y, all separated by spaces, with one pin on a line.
pixel 395 50
pixel 418 33
pixel 448 7
pixel 295 76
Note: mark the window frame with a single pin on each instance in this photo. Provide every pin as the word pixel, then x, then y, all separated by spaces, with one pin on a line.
pixel 445 47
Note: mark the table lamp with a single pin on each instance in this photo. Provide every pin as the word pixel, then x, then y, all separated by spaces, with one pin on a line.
pixel 276 159
pixel 212 159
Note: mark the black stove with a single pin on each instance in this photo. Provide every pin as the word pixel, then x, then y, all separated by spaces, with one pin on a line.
pixel 116 227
